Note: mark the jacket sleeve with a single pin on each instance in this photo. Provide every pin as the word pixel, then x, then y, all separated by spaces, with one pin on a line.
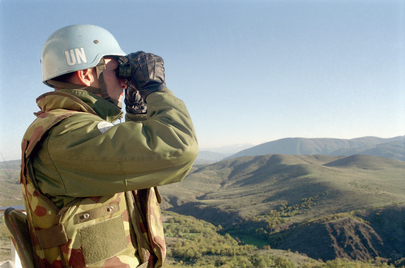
pixel 77 159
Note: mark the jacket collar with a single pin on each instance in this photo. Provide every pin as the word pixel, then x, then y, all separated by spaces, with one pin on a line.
pixel 79 100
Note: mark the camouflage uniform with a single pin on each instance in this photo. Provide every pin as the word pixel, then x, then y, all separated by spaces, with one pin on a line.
pixel 90 186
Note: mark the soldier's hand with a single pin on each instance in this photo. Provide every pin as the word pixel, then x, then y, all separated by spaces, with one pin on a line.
pixel 147 72
pixel 134 103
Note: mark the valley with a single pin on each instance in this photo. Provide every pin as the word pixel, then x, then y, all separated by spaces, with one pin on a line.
pixel 294 210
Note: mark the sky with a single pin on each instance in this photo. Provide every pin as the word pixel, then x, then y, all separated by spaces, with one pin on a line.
pixel 249 71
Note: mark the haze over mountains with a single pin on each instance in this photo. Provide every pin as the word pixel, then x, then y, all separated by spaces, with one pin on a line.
pixel 393 148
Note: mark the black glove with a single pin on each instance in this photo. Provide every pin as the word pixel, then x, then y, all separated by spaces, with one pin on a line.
pixel 147 72
pixel 134 103
pixel 147 76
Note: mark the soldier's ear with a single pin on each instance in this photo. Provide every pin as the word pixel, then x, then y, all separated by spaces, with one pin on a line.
pixel 85 77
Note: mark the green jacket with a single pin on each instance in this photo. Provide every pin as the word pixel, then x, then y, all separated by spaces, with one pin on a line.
pixel 74 156
pixel 76 159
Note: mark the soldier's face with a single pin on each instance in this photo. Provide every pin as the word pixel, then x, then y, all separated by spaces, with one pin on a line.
pixel 115 85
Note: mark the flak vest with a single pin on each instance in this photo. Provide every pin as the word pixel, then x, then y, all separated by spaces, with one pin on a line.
pixel 117 230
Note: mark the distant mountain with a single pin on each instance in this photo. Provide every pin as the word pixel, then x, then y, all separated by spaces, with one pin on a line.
pixel 205 157
pixel 321 205
pixel 210 155
pixel 12 165
pixel 393 148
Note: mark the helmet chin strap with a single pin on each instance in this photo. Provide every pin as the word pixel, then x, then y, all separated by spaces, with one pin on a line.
pixel 103 87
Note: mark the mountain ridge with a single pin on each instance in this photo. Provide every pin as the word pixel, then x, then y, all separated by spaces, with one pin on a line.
pixel 393 148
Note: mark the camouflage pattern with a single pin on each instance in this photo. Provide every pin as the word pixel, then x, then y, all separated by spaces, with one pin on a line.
pixel 115 229
pixel 117 248
pixel 104 246
pixel 148 228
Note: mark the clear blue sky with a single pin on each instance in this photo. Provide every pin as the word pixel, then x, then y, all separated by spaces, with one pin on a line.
pixel 249 71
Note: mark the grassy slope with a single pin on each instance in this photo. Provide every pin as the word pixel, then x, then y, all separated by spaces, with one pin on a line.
pixel 243 188
pixel 251 186
pixel 10 191
pixel 10 194
pixel 291 202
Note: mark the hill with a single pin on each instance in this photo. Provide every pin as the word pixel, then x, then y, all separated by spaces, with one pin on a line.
pixel 257 184
pixel 324 206
pixel 10 166
pixel 393 148
pixel 10 190
pixel 321 206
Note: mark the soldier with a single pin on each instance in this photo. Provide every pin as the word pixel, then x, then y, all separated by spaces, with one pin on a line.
pixel 90 186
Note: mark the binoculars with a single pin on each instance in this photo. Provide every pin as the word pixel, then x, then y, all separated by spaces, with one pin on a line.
pixel 124 68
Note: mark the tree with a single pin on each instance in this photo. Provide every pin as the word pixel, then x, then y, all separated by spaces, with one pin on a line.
pixel 282 262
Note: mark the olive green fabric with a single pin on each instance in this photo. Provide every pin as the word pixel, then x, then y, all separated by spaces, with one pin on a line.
pixel 44 217
pixel 97 212
pixel 80 161
pixel 158 149
pixel 52 237
pixel 103 240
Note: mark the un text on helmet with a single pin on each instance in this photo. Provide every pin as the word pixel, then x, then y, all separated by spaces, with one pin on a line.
pixel 75 56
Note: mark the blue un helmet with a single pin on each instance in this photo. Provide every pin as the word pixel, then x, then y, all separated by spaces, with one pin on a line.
pixel 76 47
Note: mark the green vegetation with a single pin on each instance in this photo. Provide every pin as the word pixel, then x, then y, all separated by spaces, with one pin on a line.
pixel 265 229
pixel 247 209
pixel 201 238
pixel 343 263
pixel 288 201
pixel 195 243
pixel 199 245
